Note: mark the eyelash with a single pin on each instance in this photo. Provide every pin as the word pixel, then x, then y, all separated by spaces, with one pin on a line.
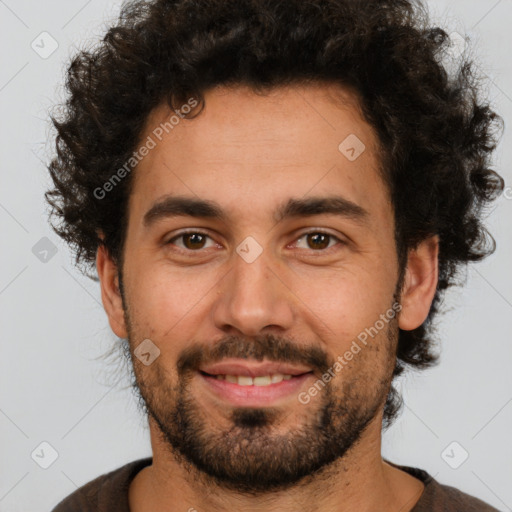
pixel 302 235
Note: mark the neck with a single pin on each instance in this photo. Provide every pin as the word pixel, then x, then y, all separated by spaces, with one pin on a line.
pixel 360 480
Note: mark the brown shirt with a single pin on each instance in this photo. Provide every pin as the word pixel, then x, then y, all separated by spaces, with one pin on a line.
pixel 109 493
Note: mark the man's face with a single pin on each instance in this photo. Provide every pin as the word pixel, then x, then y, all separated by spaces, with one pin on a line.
pixel 256 294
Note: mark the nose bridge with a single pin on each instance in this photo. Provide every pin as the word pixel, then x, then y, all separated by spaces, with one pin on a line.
pixel 251 296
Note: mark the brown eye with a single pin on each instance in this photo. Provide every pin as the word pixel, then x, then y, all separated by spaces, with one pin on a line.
pixel 318 240
pixel 193 240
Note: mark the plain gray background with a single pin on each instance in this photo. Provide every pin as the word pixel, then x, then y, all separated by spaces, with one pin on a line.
pixel 56 388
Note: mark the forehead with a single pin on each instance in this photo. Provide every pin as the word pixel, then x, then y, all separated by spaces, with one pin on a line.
pixel 252 150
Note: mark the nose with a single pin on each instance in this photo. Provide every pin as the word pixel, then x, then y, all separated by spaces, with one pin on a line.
pixel 253 297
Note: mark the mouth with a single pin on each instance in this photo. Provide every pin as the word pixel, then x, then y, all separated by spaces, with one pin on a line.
pixel 254 384
pixel 244 380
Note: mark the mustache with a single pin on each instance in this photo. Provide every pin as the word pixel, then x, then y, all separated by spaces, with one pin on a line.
pixel 267 347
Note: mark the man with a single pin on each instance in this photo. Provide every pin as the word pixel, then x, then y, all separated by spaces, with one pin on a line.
pixel 274 196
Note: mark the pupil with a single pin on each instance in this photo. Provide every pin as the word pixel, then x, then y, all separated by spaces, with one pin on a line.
pixel 319 238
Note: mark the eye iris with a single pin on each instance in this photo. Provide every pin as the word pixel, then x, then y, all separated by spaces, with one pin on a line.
pixel 318 239
pixel 193 240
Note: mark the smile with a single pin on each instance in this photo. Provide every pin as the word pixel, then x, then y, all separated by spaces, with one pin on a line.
pixel 263 380
pixel 254 384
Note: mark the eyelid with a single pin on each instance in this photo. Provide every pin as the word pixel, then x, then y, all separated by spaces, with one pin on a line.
pixel 310 231
pixel 196 231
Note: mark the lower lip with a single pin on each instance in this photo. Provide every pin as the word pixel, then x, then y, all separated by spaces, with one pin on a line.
pixel 255 396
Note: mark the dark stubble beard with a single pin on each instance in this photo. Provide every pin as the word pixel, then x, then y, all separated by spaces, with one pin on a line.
pixel 251 456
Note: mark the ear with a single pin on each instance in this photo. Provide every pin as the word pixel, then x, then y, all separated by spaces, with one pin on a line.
pixel 110 294
pixel 420 284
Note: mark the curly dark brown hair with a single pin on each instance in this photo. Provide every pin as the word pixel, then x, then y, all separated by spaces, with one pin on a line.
pixel 436 134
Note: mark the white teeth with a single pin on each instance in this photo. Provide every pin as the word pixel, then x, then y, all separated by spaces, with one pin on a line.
pixel 243 380
pixel 263 380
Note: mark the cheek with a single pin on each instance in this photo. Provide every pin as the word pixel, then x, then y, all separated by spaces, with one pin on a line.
pixel 162 299
pixel 344 303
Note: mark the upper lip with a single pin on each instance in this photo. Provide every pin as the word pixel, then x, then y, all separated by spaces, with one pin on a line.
pixel 253 369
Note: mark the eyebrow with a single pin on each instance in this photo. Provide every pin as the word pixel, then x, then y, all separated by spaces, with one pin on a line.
pixel 334 205
pixel 178 206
